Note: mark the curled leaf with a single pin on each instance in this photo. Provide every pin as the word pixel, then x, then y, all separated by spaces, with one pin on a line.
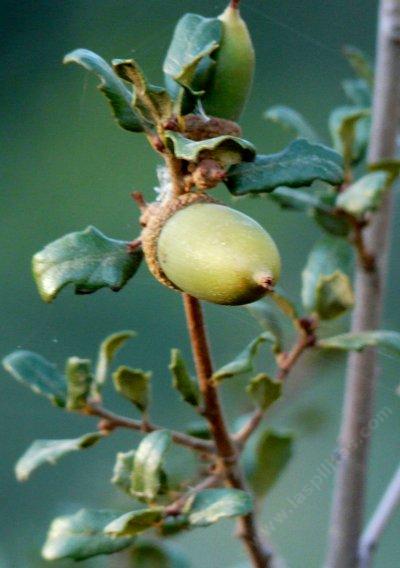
pixel 243 362
pixel 50 451
pixel 195 39
pixel 87 259
pixel 79 382
pixel 148 475
pixel 134 385
pixel 151 102
pixel 211 505
pixel 327 289
pixel 114 89
pixel 264 390
pixel 134 522
pixel 81 536
pixel 388 341
pixel 350 129
pixel 365 195
pixel 190 149
pixel 292 120
pixel 108 350
pixel 181 379
pixel 122 472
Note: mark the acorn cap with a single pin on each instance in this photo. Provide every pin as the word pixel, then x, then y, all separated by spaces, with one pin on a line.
pixel 161 212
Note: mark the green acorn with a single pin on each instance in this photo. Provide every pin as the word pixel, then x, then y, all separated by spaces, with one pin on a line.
pixel 229 88
pixel 210 251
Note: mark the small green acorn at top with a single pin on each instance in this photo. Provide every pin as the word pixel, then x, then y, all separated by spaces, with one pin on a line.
pixel 230 85
pixel 211 251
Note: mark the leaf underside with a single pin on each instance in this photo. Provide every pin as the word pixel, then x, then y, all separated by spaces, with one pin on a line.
pixel 119 96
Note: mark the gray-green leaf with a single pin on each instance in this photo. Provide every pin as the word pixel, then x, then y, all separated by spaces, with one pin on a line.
pixel 194 39
pixel 299 164
pixel 87 259
pixel 38 374
pixel 122 472
pixel 364 195
pixel 79 382
pixel 157 554
pixel 266 316
pixel 108 350
pixel 114 89
pixel 190 149
pixel 269 458
pixel 264 390
pixel 327 289
pixel 360 63
pixel 326 218
pixel 349 127
pixel 387 341
pixel 151 102
pixel 292 120
pixel 298 199
pixel 134 522
pixel 81 536
pixel 133 384
pixel 358 91
pixel 389 165
pixel 211 505
pixel 243 362
pixel 50 451
pixel 181 379
pixel 147 478
pixel 284 303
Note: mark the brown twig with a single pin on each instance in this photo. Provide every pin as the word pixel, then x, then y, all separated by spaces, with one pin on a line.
pixel 248 531
pixel 176 507
pixel 227 454
pixel 365 258
pixel 134 245
pixel 251 426
pixel 212 408
pixel 110 421
pixel 305 339
pixel 350 485
pixel 286 362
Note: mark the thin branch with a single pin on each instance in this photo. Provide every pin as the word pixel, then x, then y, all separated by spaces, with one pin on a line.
pixel 259 553
pixel 176 507
pixel 286 362
pixel 349 493
pixel 251 426
pixel 365 258
pixel 379 521
pixel 306 339
pixel 110 421
pixel 212 408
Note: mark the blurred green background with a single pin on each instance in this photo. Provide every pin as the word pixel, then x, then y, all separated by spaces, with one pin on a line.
pixel 66 165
